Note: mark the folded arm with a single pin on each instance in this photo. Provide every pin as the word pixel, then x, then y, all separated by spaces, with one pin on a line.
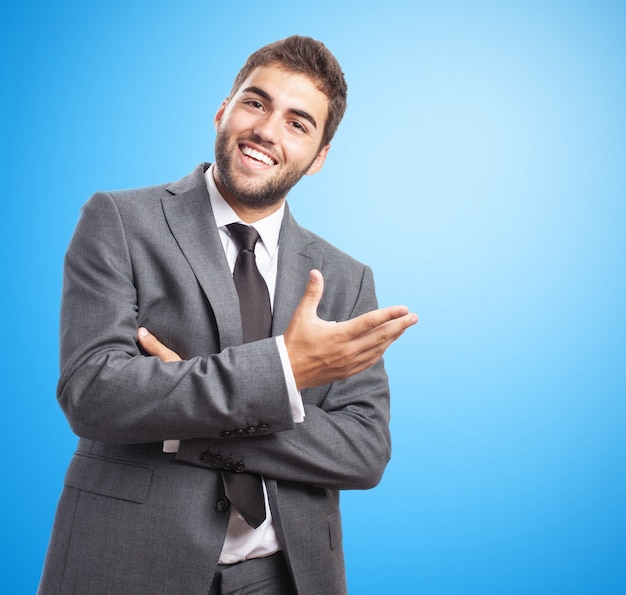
pixel 108 389
pixel 344 440
pixel 116 390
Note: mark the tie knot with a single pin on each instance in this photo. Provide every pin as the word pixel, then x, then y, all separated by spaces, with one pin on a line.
pixel 246 235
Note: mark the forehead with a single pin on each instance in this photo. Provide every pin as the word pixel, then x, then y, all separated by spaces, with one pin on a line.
pixel 290 91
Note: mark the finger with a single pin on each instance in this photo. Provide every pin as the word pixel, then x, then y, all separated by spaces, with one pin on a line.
pixel 154 347
pixel 371 346
pixel 372 320
pixel 380 338
pixel 313 293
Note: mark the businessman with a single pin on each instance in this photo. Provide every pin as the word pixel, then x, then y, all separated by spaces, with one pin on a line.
pixel 220 364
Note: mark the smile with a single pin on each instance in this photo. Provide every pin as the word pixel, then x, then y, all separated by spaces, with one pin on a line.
pixel 257 155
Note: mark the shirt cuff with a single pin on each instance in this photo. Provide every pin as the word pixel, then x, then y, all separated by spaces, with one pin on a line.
pixel 295 398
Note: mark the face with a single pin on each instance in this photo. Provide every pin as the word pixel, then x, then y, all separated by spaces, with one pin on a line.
pixel 268 136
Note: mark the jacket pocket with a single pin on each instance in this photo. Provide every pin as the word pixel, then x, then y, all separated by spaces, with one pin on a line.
pixel 336 531
pixel 107 477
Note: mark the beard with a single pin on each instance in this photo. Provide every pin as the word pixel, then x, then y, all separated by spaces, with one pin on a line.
pixel 251 193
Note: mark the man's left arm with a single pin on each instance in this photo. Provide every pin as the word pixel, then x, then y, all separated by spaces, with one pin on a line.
pixel 343 442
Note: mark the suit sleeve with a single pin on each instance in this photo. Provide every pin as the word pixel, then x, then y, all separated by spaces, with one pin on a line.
pixel 110 391
pixel 344 441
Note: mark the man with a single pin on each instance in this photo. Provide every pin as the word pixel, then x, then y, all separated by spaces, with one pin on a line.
pixel 168 415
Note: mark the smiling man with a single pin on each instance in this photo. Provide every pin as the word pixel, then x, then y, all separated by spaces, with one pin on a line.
pixel 220 364
pixel 267 141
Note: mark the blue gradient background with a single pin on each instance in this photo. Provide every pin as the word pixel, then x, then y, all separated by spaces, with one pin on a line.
pixel 483 150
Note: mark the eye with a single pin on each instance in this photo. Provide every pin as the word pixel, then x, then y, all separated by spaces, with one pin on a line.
pixel 253 103
pixel 298 126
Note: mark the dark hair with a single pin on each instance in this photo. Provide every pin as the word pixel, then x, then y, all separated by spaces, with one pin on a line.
pixel 304 55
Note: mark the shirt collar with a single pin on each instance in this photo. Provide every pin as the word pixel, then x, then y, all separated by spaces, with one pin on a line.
pixel 268 227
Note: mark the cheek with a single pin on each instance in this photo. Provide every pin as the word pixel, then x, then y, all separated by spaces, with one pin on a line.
pixel 229 124
pixel 240 120
pixel 297 149
pixel 303 156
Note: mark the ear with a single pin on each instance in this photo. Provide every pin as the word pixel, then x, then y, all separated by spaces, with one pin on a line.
pixel 318 162
pixel 220 113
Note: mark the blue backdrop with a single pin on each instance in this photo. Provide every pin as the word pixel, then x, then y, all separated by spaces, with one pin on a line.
pixel 483 150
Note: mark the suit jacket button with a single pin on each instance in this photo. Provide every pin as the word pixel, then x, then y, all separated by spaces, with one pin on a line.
pixel 251 430
pixel 205 457
pixel 225 434
pixel 228 463
pixel 263 428
pixel 216 460
pixel 239 432
pixel 222 505
pixel 239 467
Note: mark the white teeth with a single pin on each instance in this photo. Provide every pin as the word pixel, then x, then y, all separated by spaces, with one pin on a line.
pixel 257 155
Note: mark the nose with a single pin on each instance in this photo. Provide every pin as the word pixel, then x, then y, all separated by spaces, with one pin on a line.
pixel 268 128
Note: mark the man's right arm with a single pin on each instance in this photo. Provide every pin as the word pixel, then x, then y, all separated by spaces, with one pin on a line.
pixel 108 389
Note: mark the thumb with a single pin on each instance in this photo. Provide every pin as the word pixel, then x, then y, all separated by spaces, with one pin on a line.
pixel 313 293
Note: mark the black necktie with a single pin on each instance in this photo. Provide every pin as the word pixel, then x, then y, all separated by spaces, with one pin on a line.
pixel 245 490
pixel 254 299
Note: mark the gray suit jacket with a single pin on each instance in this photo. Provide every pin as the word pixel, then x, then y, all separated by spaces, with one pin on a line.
pixel 132 519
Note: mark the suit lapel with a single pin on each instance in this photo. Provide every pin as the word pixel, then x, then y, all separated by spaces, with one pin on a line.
pixel 190 218
pixel 296 257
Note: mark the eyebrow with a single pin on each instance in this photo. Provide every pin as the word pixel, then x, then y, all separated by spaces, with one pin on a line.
pixel 265 95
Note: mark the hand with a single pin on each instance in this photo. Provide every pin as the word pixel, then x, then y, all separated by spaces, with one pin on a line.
pixel 321 352
pixel 154 347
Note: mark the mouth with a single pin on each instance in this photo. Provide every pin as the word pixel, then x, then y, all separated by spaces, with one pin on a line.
pixel 256 155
